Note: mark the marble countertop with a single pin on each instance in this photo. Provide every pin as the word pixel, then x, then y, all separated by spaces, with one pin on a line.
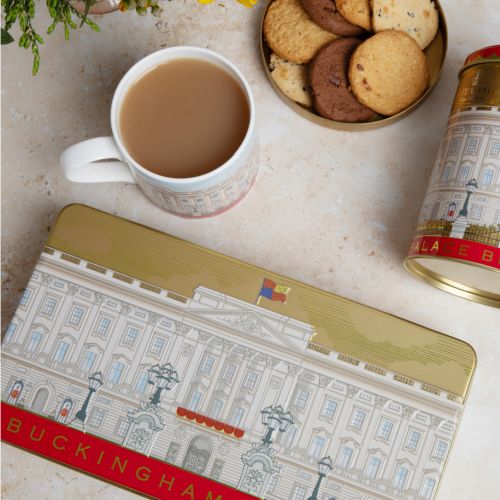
pixel 332 209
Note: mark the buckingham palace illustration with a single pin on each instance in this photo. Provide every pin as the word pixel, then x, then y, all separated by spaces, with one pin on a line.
pixel 221 387
pixel 463 199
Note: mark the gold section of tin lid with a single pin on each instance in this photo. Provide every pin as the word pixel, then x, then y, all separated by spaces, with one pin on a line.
pixel 484 55
pixel 465 279
pixel 352 329
pixel 479 86
pixel 435 55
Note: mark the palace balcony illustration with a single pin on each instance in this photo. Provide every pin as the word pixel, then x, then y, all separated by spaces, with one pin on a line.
pixel 211 423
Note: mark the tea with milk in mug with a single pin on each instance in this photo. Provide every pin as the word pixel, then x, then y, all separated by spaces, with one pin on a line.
pixel 184 118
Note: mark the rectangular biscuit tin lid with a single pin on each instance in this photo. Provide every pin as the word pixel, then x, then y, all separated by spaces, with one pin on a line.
pixel 164 367
pixel 358 335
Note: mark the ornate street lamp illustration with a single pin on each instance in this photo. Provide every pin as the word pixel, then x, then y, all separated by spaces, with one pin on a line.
pixel 165 378
pixel 324 467
pixel 471 186
pixel 95 381
pixel 146 421
pixel 275 417
pixel 259 463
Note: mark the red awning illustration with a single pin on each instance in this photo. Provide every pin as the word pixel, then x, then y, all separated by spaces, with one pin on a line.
pixel 210 422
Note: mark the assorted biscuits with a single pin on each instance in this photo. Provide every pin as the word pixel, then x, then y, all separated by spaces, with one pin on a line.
pixel 351 60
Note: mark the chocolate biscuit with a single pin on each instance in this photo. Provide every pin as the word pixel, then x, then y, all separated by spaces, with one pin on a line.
pixel 328 77
pixel 325 14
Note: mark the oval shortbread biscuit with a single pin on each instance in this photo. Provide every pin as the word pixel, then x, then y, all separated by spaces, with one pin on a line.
pixel 291 34
pixel 388 72
pixel 418 18
pixel 291 78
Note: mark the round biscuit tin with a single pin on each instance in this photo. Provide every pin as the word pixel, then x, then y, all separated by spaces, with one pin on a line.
pixel 456 246
pixel 435 54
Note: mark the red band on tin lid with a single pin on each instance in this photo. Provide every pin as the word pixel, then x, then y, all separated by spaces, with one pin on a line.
pixel 486 54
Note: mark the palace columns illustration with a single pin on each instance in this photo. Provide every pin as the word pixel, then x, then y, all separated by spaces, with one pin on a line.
pixel 259 463
pixel 324 467
pixel 95 382
pixel 146 420
pixel 460 225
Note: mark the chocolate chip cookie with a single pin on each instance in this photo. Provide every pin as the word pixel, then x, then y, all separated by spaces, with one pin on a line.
pixel 418 18
pixel 388 72
pixel 330 86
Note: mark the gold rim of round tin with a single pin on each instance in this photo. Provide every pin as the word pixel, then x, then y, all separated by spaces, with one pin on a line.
pixel 435 54
pixel 449 285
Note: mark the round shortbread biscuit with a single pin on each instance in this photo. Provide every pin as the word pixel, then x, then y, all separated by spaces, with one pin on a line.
pixel 418 18
pixel 291 34
pixel 291 78
pixel 388 72
pixel 328 76
pixel 356 12
pixel 325 14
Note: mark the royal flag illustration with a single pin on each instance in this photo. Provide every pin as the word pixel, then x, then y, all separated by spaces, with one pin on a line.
pixel 272 291
pixel 143 360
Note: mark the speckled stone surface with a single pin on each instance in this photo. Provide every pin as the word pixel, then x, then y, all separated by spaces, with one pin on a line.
pixel 333 209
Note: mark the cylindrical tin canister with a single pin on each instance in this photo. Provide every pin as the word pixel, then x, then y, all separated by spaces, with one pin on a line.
pixel 457 242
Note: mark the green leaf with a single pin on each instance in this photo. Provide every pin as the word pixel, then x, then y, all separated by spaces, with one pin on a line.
pixel 92 25
pixel 36 64
pixel 6 37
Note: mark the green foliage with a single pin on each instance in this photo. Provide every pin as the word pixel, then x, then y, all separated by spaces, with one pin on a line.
pixel 62 12
pixel 22 12
pixel 6 37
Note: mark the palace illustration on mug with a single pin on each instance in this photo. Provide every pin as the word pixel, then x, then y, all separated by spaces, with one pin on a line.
pixel 220 387
pixel 210 200
pixel 463 199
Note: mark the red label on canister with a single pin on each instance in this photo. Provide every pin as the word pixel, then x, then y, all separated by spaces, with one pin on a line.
pixel 456 248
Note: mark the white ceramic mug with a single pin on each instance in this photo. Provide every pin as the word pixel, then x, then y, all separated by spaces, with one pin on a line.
pixel 105 159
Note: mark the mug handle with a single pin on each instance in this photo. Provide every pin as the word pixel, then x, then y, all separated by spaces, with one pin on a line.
pixel 85 162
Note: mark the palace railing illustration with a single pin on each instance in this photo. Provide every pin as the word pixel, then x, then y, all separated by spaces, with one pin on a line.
pixel 435 228
pixel 490 235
